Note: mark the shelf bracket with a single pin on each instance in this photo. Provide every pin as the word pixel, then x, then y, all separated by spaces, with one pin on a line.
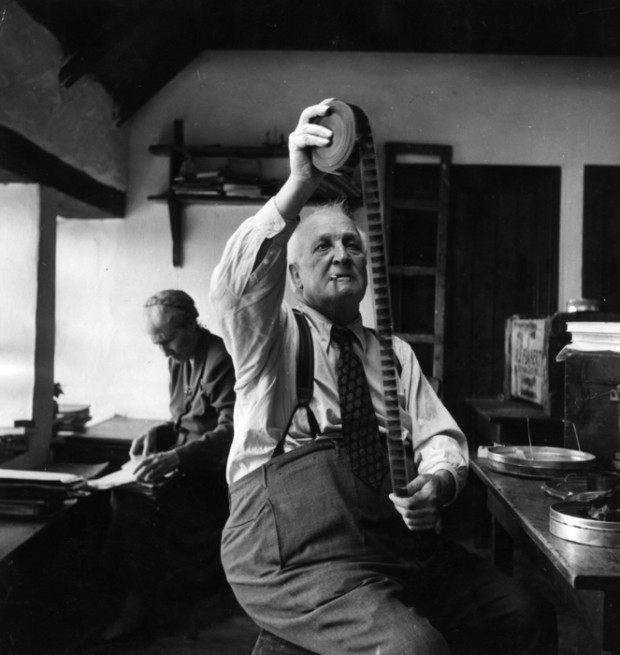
pixel 176 230
pixel 174 207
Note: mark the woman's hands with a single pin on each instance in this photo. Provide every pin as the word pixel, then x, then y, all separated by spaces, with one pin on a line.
pixel 153 465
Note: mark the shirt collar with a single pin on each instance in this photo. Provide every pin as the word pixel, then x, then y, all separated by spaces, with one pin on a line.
pixel 323 327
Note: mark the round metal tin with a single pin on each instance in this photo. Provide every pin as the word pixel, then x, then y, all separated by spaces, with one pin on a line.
pixel 569 520
pixel 537 461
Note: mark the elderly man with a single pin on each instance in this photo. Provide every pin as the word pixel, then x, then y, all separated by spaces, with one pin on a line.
pixel 171 540
pixel 317 549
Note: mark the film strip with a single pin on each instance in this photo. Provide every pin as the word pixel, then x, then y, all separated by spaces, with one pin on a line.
pixel 353 146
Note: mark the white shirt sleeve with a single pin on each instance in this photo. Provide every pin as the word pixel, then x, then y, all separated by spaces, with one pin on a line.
pixel 438 442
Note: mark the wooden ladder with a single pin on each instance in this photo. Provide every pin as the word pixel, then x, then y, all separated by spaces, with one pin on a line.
pixel 416 203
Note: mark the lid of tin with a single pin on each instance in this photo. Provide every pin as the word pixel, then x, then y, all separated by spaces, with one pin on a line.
pixel 537 461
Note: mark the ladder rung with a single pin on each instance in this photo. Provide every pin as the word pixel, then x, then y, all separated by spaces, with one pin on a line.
pixel 409 199
pixel 419 338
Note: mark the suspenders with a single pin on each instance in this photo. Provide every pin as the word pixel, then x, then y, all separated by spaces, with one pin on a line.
pixel 305 369
pixel 305 379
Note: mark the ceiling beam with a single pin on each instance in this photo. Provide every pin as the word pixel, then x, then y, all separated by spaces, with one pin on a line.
pixel 23 160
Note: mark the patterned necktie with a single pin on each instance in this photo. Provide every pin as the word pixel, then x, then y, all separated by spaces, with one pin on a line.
pixel 359 421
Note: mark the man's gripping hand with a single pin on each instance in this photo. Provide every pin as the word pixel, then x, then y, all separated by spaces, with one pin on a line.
pixel 426 495
pixel 307 135
pixel 304 178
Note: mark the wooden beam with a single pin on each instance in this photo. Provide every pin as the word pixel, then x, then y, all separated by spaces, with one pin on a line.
pixel 24 161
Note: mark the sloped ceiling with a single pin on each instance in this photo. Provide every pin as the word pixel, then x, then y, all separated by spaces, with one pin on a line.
pixel 134 47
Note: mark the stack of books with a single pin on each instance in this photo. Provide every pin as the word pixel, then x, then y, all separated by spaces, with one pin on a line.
pixel 241 190
pixel 207 183
pixel 241 178
pixel 593 336
pixel 72 418
pixel 37 494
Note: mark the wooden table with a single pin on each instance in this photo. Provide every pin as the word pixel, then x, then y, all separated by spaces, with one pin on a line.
pixel 497 421
pixel 520 515
pixel 15 533
pixel 106 441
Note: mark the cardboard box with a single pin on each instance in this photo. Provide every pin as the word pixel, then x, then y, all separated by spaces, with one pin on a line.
pixel 531 346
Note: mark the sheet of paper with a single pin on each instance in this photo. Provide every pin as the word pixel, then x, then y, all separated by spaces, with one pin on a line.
pixel 123 476
pixel 38 476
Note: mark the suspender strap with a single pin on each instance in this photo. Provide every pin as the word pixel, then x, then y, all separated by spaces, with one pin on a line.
pixel 305 361
pixel 305 371
pixel 304 381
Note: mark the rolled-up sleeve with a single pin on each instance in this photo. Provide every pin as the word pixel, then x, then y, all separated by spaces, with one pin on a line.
pixel 248 293
pixel 437 440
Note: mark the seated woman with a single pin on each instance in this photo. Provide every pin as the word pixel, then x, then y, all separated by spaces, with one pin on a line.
pixel 169 541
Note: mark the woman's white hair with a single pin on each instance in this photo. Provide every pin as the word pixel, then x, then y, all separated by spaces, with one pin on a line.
pixel 172 306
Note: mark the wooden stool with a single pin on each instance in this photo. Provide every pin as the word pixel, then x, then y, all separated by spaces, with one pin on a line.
pixel 268 644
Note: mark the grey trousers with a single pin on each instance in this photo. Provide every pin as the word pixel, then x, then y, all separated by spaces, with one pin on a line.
pixel 318 558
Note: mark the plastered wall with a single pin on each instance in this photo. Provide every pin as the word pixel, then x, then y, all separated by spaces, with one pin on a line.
pixel 492 110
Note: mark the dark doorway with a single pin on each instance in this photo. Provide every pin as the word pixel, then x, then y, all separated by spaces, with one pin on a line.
pixel 601 236
pixel 502 260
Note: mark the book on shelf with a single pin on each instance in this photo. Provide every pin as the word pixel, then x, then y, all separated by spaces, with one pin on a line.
pixel 244 190
pixel 199 190
pixel 12 431
pixel 211 183
pixel 203 177
pixel 591 336
pixel 594 332
pixel 19 476
pixel 71 417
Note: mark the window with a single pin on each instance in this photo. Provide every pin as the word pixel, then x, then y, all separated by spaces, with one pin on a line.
pixel 19 247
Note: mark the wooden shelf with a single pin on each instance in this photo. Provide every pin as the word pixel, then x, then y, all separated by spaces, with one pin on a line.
pixel 189 198
pixel 332 187
pixel 247 152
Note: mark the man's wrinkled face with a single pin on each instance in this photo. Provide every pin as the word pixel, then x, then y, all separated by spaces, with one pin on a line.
pixel 331 270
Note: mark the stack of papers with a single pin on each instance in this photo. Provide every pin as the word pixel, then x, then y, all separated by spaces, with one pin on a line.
pixel 589 336
pixel 125 476
pixel 37 494
pixel 44 477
